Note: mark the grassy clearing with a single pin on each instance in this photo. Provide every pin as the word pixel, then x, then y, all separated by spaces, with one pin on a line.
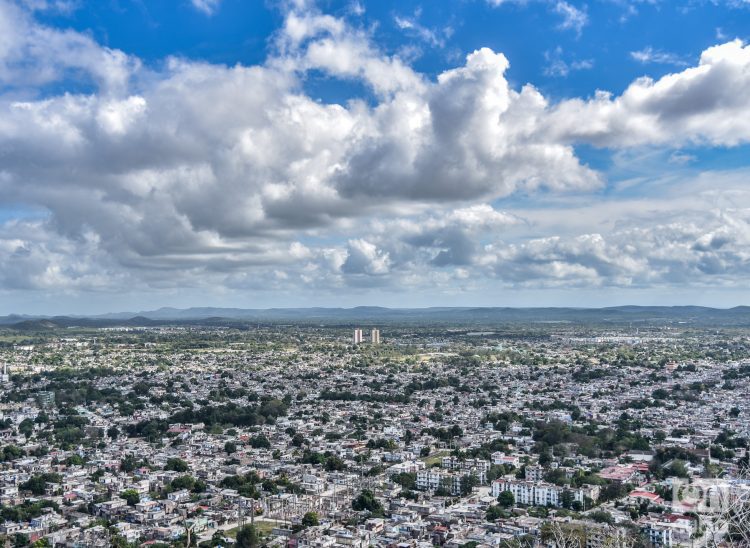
pixel 264 528
pixel 434 458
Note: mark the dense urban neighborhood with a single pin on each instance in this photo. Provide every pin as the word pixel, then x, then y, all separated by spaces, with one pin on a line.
pixel 374 274
pixel 559 434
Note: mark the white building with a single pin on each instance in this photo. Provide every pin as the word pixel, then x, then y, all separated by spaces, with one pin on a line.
pixel 498 457
pixel 433 478
pixel 375 336
pixel 530 493
pixel 667 530
pixel 358 336
pixel 410 466
pixel 476 467
pixel 534 473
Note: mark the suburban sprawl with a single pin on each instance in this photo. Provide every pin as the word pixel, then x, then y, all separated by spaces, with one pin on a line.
pixel 567 434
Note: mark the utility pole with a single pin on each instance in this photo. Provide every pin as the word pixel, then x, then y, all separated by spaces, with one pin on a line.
pixel 189 531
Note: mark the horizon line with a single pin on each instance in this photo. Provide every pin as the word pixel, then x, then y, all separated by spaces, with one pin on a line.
pixel 414 308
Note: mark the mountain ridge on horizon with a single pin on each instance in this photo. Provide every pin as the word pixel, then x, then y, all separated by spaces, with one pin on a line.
pixel 738 315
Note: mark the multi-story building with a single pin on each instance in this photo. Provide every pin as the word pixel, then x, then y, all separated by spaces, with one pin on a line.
pixel 358 336
pixel 433 478
pixel 476 467
pixel 531 493
pixel 375 336
pixel 657 535
pixel 498 457
pixel 534 473
pixel 667 530
pixel 46 398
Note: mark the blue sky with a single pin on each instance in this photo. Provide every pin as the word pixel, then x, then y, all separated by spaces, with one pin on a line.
pixel 532 34
pixel 292 153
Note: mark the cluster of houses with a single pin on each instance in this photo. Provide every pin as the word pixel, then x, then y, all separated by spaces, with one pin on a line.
pixel 413 432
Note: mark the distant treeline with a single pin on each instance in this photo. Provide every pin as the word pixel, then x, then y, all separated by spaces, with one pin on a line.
pixel 229 414
pixel 345 395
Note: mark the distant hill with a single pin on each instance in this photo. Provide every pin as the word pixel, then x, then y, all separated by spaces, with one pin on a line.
pixel 691 315
pixel 35 325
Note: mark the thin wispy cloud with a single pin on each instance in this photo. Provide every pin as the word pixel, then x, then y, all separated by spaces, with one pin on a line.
pixel 650 55
pixel 357 8
pixel 208 7
pixel 412 26
pixel 557 65
pixel 572 18
pixel 681 158
pixel 60 6
pixel 631 8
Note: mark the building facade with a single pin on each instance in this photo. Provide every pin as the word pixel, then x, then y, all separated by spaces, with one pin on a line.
pixel 530 493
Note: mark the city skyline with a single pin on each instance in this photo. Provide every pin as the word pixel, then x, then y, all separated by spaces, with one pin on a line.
pixel 344 153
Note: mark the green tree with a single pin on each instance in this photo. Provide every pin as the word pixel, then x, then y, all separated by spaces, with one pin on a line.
pixel 176 465
pixel 131 496
pixel 468 482
pixel 247 537
pixel 37 483
pixel 678 469
pixel 506 499
pixel 600 516
pixel 230 447
pixel 566 499
pixel 75 460
pixel 260 442
pixel 310 519
pixel 26 427
pixel 12 452
pixel 444 488
pixel 118 541
pixel 366 501
pixel 494 512
pixel 183 482
pixel 128 464
pixel 407 480
pixel 334 464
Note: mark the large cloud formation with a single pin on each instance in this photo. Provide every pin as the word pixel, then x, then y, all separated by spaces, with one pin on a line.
pixel 191 173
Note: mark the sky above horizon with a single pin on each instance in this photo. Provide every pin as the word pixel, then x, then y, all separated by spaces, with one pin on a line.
pixel 340 153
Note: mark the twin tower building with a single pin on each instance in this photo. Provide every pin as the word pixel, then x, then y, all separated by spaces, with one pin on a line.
pixel 374 336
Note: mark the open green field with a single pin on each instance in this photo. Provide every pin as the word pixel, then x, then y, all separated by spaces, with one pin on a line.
pixel 264 528
pixel 434 458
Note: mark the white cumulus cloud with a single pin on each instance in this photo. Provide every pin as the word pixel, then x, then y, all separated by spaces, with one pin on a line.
pixel 197 173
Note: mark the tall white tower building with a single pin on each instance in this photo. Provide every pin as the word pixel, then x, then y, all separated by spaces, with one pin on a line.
pixel 358 338
pixel 375 336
